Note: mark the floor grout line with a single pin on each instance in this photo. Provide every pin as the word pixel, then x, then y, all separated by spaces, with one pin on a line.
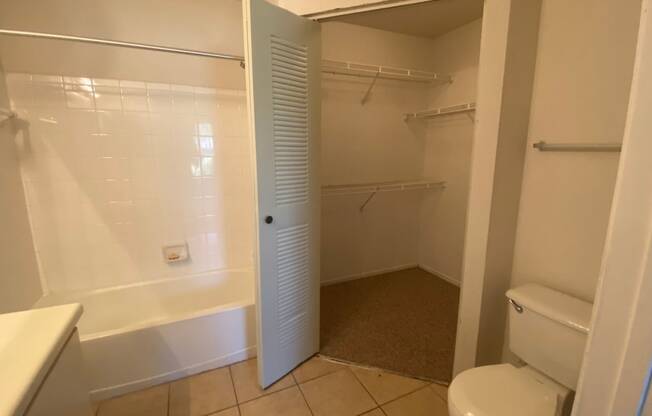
pixel 304 396
pixel 364 387
pixel 168 407
pixel 235 393
pixel 320 376
pixel 267 394
pixel 407 394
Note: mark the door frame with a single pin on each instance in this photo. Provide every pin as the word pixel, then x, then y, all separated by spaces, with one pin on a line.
pixel 343 7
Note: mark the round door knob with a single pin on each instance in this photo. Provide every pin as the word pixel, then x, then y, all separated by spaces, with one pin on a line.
pixel 269 219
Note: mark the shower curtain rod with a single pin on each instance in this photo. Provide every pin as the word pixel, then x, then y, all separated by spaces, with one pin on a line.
pixel 132 45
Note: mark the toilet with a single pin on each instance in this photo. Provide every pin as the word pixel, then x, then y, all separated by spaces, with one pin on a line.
pixel 547 331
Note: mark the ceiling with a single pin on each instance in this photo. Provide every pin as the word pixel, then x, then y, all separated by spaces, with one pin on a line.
pixel 429 19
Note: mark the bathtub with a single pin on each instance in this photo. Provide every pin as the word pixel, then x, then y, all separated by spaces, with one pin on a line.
pixel 140 335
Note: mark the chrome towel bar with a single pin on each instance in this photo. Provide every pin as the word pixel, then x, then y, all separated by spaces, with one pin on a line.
pixel 577 147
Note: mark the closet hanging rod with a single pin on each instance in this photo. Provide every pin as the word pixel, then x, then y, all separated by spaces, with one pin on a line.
pixel 384 72
pixel 577 147
pixel 132 45
pixel 373 187
pixel 443 111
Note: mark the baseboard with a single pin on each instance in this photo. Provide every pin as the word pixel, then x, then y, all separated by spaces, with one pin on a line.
pixel 108 392
pixel 368 274
pixel 440 275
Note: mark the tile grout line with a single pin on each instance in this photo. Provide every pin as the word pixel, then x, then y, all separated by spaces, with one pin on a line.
pixel 321 375
pixel 367 390
pixel 266 394
pixel 445 399
pixel 407 394
pixel 302 395
pixel 235 393
pixel 169 391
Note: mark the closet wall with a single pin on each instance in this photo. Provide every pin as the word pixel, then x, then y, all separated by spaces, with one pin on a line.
pixel 373 143
pixel 20 286
pixel 370 143
pixel 447 153
pixel 584 67
pixel 125 151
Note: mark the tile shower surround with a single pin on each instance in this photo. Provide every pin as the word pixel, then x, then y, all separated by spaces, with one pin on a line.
pixel 114 170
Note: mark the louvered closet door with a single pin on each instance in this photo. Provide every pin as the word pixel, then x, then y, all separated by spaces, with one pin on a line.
pixel 282 53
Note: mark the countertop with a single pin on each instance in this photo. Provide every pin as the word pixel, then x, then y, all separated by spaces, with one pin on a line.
pixel 30 342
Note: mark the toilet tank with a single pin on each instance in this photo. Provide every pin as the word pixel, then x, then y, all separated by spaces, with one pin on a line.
pixel 548 330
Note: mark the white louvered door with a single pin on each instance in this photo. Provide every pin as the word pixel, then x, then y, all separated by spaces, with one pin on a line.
pixel 282 54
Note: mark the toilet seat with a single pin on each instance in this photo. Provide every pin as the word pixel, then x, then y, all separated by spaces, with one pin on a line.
pixel 504 390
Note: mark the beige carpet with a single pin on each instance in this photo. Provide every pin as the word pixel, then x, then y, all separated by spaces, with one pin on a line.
pixel 403 321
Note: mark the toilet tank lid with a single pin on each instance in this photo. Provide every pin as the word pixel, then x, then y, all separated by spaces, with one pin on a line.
pixel 560 307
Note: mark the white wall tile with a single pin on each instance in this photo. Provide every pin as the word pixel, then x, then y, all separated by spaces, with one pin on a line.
pixel 115 169
pixel 108 98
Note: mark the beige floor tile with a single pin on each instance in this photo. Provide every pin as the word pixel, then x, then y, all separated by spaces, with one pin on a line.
pixel 424 402
pixel 228 412
pixel 337 394
pixel 315 367
pixel 385 387
pixel 375 412
pixel 148 402
pixel 288 402
pixel 442 391
pixel 245 380
pixel 202 394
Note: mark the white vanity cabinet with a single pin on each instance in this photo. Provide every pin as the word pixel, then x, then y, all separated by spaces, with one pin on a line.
pixel 64 390
pixel 41 362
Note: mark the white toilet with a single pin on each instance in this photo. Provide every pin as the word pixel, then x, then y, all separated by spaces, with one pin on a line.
pixel 547 330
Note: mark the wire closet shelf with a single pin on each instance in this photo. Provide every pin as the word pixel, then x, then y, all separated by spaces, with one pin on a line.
pixel 373 187
pixel 443 111
pixel 382 72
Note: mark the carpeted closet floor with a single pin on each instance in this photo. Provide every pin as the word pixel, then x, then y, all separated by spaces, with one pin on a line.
pixel 402 321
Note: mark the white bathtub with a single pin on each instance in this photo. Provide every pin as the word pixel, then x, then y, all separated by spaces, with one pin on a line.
pixel 138 336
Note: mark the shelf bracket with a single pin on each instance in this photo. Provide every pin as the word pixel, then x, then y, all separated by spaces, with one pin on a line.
pixel 367 95
pixel 364 204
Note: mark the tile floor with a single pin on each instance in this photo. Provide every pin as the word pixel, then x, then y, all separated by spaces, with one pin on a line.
pixel 319 387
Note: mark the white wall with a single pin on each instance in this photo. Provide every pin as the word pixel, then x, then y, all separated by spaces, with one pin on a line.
pixel 20 286
pixel 507 58
pixel 370 143
pixel 210 25
pixel 620 343
pixel 584 68
pixel 126 150
pixel 447 153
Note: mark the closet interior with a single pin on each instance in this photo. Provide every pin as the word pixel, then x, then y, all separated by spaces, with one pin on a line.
pixel 398 100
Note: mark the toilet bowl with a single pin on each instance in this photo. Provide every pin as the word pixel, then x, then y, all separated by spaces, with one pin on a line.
pixel 505 390
pixel 547 331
